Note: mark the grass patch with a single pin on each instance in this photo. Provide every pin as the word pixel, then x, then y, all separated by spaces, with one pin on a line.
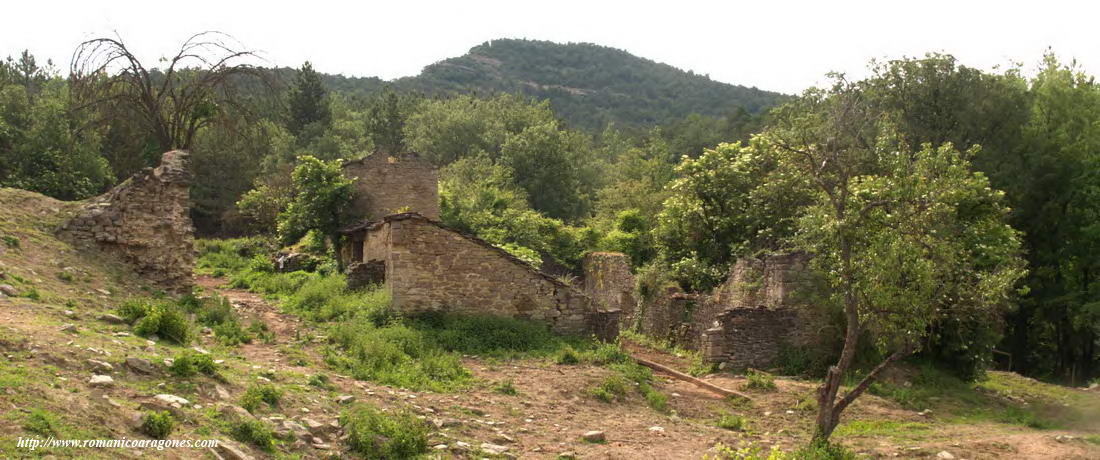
pixel 1000 398
pixel 320 381
pixel 888 428
pixel 257 395
pixel 759 381
pixel 42 422
pixel 611 389
pixel 378 435
pixel 732 422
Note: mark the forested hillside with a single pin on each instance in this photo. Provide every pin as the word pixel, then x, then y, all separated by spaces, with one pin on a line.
pixel 588 85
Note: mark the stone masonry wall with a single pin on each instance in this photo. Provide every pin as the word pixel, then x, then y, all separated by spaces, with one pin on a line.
pixel 145 221
pixel 751 336
pixel 608 281
pixel 746 318
pixel 429 267
pixel 388 184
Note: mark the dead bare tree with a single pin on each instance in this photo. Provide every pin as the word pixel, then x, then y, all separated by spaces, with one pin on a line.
pixel 175 101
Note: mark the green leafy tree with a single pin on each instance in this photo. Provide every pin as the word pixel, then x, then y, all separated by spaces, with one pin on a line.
pixel 722 207
pixel 40 147
pixel 480 197
pixel 901 237
pixel 321 196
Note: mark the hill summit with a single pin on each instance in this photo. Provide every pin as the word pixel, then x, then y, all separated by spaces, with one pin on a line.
pixel 588 85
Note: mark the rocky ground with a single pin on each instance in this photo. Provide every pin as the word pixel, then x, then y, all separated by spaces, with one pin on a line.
pixel 68 368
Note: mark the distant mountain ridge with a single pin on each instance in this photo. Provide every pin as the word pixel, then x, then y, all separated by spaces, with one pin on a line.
pixel 588 85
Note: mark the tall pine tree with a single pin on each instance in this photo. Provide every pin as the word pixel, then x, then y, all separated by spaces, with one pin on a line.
pixel 308 102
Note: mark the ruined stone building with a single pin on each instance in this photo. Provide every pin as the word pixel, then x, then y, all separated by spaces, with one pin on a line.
pixel 144 220
pixel 609 282
pixel 745 321
pixel 392 183
pixel 427 266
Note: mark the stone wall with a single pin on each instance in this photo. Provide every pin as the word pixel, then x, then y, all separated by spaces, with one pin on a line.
pixel 752 336
pixel 773 281
pixel 745 320
pixel 608 281
pixel 387 184
pixel 429 267
pixel 145 221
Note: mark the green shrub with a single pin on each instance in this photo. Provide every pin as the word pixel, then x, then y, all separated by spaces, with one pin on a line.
pixel 261 394
pixel 609 353
pixel 254 432
pixel 612 388
pixel 824 451
pixel 756 380
pixel 804 361
pixel 321 381
pixel 133 309
pixel 378 435
pixel 11 241
pixel 230 333
pixel 506 387
pixel 567 356
pixel 188 363
pixel 166 321
pixel 731 422
pixel 158 425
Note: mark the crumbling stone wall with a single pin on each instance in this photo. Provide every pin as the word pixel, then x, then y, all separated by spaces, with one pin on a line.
pixel 145 221
pixel 773 281
pixel 752 336
pixel 608 281
pixel 746 319
pixel 429 267
pixel 387 184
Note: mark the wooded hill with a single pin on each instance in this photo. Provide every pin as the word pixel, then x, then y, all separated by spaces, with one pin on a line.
pixel 588 85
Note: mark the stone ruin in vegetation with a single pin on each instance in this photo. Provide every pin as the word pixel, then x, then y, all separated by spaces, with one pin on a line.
pixel 745 322
pixel 427 266
pixel 145 221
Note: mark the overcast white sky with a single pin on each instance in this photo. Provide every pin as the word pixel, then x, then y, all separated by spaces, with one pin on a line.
pixel 776 45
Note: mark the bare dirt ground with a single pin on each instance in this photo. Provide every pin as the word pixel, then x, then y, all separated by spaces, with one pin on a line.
pixel 553 410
